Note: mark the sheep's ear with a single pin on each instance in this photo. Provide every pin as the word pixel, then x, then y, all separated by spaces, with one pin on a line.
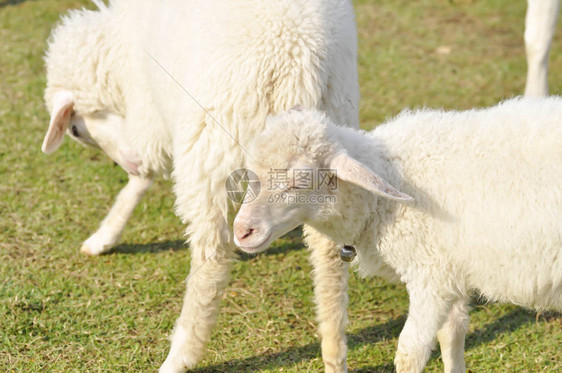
pixel 60 119
pixel 353 171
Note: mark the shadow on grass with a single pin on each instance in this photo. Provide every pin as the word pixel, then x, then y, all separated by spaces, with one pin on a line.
pixel 158 247
pixel 508 323
pixel 310 351
pixel 10 2
pixel 382 368
pixel 293 237
pixel 370 335
pixel 153 247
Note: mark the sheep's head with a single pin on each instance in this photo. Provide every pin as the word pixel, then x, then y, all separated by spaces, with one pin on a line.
pixel 101 129
pixel 299 164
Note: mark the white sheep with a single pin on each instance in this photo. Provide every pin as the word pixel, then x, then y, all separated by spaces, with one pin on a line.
pixel 540 23
pixel 116 127
pixel 450 203
pixel 191 83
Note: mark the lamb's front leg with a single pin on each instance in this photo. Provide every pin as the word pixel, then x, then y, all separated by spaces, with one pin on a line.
pixel 330 275
pixel 112 226
pixel 427 312
pixel 211 260
pixel 451 337
pixel 540 23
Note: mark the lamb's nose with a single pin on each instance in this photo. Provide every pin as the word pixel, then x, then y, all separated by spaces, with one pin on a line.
pixel 242 231
pixel 246 234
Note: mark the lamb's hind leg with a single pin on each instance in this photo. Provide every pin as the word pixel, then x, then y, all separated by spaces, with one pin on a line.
pixel 540 23
pixel 112 226
pixel 451 337
pixel 330 277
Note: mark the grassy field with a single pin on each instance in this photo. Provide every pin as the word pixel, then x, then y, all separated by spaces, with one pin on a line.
pixel 63 312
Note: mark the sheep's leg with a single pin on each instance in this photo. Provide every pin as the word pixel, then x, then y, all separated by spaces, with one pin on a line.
pixel 208 277
pixel 540 24
pixel 330 277
pixel 427 313
pixel 114 223
pixel 451 338
pixel 212 251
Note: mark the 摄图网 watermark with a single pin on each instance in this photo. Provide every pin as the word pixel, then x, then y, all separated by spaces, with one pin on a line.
pixel 288 186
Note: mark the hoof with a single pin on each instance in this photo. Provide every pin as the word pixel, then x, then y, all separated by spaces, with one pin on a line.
pixel 94 246
pixel 172 367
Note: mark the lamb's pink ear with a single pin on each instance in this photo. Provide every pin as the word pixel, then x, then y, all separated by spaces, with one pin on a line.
pixel 353 171
pixel 60 119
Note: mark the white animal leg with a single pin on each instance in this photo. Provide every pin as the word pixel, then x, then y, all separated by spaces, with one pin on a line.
pixel 209 275
pixel 540 24
pixel 203 203
pixel 112 226
pixel 426 315
pixel 330 277
pixel 451 337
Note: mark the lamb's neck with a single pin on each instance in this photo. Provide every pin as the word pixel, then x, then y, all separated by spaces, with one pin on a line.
pixel 348 217
pixel 356 216
pixel 151 139
pixel 341 229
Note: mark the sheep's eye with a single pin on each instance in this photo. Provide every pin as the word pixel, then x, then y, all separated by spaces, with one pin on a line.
pixel 74 130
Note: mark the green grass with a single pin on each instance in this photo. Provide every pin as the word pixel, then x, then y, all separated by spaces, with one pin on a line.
pixel 63 312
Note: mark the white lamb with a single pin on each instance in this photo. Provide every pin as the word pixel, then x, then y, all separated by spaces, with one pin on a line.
pixel 450 203
pixel 193 81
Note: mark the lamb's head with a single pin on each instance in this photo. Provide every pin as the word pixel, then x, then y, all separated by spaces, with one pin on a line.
pixel 82 94
pixel 299 164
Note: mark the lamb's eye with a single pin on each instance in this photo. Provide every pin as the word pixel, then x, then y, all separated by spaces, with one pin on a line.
pixel 74 130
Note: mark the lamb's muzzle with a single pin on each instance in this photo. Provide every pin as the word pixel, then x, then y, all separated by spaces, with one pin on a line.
pixel 251 235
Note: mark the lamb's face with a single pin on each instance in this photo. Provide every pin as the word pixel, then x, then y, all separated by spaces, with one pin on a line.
pixel 288 197
pixel 101 129
pixel 289 158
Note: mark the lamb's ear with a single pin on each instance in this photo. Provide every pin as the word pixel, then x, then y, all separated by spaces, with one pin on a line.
pixel 63 102
pixel 353 171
